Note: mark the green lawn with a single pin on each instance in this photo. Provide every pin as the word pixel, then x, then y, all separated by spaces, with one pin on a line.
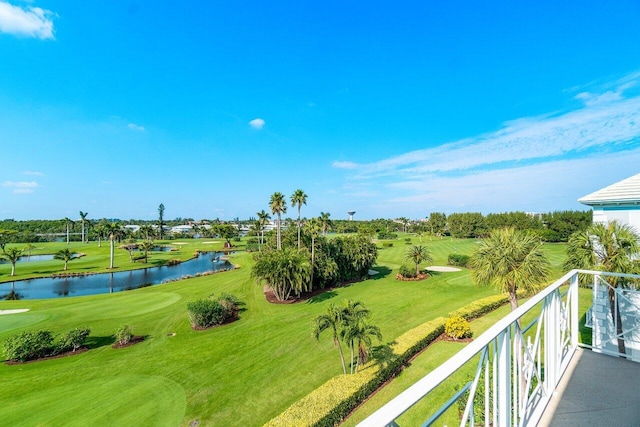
pixel 243 373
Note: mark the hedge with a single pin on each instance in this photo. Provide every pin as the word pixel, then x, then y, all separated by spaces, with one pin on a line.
pixel 330 403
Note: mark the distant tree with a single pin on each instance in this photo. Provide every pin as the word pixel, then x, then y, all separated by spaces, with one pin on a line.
pixel 278 207
pixel 115 232
pixel 612 247
pixel 130 245
pixel 64 255
pixel 437 223
pixel 69 224
pixel 5 237
pixel 404 222
pixel 510 259
pixel 312 227
pixel 12 255
pixel 418 254
pixel 83 219
pixel 325 222
pixel 146 232
pixel 161 221
pixel 29 247
pixel 263 219
pixel 298 198
pixel 146 246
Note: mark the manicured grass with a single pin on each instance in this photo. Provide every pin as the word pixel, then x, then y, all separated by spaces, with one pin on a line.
pixel 243 373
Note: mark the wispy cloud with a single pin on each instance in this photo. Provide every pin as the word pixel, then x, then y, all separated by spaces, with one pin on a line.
pixel 21 187
pixel 257 123
pixel 344 165
pixel 34 173
pixel 136 127
pixel 553 149
pixel 28 22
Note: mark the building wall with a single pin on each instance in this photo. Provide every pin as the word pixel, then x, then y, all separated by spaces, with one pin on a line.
pixel 623 214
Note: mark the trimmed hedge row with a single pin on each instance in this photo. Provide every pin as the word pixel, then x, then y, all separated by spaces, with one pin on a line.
pixel 330 403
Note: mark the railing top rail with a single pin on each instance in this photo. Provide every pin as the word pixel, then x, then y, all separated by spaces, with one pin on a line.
pixel 389 412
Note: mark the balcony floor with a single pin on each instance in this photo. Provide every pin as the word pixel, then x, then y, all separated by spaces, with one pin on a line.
pixel 596 390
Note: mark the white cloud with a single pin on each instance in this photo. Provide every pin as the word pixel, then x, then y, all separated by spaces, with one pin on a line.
pixel 533 161
pixel 257 123
pixel 29 22
pixel 33 173
pixel 21 187
pixel 136 127
pixel 344 165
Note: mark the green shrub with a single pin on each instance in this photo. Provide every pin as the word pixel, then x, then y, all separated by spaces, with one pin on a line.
pixel 387 244
pixel 205 313
pixel 73 340
pixel 29 345
pixel 383 235
pixel 457 327
pixel 407 273
pixel 124 334
pixel 407 239
pixel 458 260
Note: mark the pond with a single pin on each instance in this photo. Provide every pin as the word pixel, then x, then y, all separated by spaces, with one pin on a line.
pixel 31 258
pixel 48 287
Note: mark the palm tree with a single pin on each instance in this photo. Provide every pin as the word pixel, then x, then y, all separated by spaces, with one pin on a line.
pixel 354 313
pixel 313 228
pixel 418 254
pixel 510 259
pixel 12 255
pixel 29 248
pixel 161 220
pixel 360 335
pixel 333 320
pixel 325 222
pixel 65 255
pixel 146 246
pixel 101 230
pixel 263 218
pixel 146 231
pixel 83 219
pixel 286 271
pixel 298 198
pixel 404 222
pixel 115 232
pixel 278 206
pixel 69 223
pixel 611 247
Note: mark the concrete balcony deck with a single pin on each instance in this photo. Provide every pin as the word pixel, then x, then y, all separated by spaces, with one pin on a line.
pixel 596 390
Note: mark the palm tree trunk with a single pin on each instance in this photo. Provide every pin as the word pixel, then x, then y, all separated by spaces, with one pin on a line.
pixel 111 254
pixel 278 236
pixel 298 227
pixel 13 268
pixel 615 311
pixel 344 366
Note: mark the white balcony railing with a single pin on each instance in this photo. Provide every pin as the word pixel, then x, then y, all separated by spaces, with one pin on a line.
pixel 518 365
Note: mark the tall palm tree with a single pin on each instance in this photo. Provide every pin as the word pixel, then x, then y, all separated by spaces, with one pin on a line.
pixel 418 254
pixel 83 219
pixel 65 255
pixel 333 321
pixel 69 223
pixel 325 222
pixel 115 232
pixel 609 247
pixel 263 218
pixel 161 220
pixel 101 231
pixel 354 313
pixel 510 259
pixel 313 228
pixel 298 198
pixel 278 206
pixel 12 255
pixel 359 334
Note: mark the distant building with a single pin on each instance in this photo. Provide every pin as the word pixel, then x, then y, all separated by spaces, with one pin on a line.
pixel 619 201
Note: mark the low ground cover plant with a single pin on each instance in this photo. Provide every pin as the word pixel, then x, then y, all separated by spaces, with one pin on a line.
pixel 124 335
pixel 457 328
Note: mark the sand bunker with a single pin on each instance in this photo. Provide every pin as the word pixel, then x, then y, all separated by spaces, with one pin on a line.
pixel 18 310
pixel 209 243
pixel 442 269
pixel 179 243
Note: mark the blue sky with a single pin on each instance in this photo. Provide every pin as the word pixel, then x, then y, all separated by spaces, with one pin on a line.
pixel 386 108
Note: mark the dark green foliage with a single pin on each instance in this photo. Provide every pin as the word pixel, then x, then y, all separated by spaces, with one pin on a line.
pixel 387 244
pixel 467 225
pixel 29 346
pixel 212 311
pixel 459 260
pixel 73 340
pixel 383 235
pixel 124 334
pixel 407 273
pixel 437 223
